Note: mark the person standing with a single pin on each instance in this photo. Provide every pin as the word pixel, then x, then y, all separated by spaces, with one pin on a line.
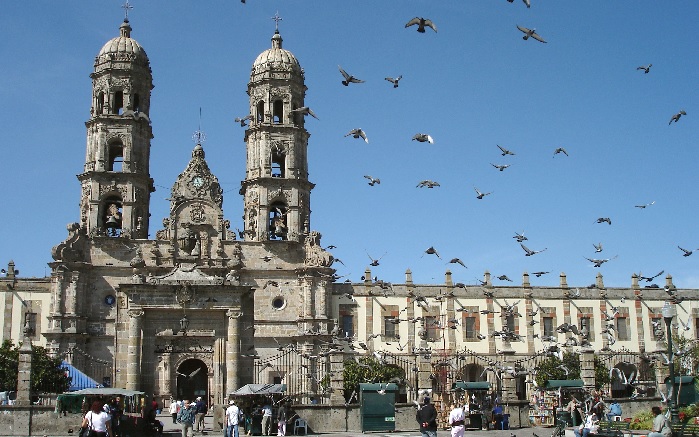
pixel 281 419
pixel 267 420
pixel 201 413
pixel 232 419
pixel 660 426
pixel 427 418
pixel 98 421
pixel 456 421
pixel 186 418
pixel 174 409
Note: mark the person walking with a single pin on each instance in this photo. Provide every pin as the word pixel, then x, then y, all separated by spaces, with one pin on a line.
pixel 281 419
pixel 174 410
pixel 456 421
pixel 98 421
pixel 186 418
pixel 233 415
pixel 660 426
pixel 201 410
pixel 427 418
pixel 267 420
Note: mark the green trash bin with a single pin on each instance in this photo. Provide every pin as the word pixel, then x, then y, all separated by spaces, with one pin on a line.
pixel 563 418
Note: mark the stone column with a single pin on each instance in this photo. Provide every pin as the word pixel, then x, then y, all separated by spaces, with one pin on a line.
pixel 133 359
pixel 24 374
pixel 232 350
pixel 509 387
pixel 337 382
pixel 587 367
pixel 167 376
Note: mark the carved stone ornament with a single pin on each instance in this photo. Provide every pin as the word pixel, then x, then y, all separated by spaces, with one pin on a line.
pixel 114 187
pixel 186 273
pixel 70 249
pixel 316 256
pixel 197 213
pixel 196 182
pixel 184 294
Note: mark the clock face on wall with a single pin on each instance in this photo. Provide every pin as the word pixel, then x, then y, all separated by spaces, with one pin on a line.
pixel 198 181
pixel 109 300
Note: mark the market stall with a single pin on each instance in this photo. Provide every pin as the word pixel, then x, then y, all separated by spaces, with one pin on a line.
pixel 80 400
pixel 250 398
pixel 475 398
pixel 547 403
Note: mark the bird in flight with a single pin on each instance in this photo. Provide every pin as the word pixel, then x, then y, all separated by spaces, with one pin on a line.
pixel 423 138
pixel 305 110
pixel 348 78
pixel 421 24
pixel 358 133
pixel 457 261
pixel 500 167
pixel 645 68
pixel 598 247
pixel 372 181
pixel 599 262
pixel 560 150
pixel 191 375
pixel 539 274
pixel 603 220
pixel 242 121
pixel 504 278
pixel 677 116
pixel 428 184
pixel 479 194
pixel 530 252
pixel 375 262
pixel 432 251
pixel 686 252
pixel 520 237
pixel 649 279
pixel 645 206
pixel 504 150
pixel 530 33
pixel 526 2
pixel 394 80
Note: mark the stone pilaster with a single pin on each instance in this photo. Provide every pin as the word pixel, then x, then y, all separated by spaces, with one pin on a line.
pixel 587 368
pixel 133 359
pixel 337 382
pixel 24 374
pixel 232 351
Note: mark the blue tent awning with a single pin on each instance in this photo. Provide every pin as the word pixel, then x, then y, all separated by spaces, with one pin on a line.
pixel 78 380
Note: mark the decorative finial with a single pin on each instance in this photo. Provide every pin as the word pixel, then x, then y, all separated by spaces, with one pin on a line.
pixel 126 6
pixel 276 19
pixel 199 137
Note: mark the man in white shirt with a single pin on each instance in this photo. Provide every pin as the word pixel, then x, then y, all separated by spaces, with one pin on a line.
pixel 232 419
pixel 267 420
pixel 456 421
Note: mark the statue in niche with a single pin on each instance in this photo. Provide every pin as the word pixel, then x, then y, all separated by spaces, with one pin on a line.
pixel 316 256
pixel 233 278
pixel 236 257
pixel 188 239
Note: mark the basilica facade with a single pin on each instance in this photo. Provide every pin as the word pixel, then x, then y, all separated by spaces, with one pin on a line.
pixel 201 310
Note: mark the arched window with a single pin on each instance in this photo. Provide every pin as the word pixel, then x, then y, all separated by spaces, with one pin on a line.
pixel 100 102
pixel 136 103
pixel 278 164
pixel 278 114
pixel 118 106
pixel 277 221
pixel 112 216
pixel 260 116
pixel 116 157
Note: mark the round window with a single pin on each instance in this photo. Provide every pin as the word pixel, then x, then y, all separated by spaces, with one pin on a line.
pixel 278 303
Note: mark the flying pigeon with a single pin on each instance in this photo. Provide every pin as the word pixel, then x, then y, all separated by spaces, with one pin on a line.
pixel 645 206
pixel 457 261
pixel 372 181
pixel 395 80
pixel 560 150
pixel 677 116
pixel 421 24
pixel 686 252
pixel 645 68
pixel 358 133
pixel 504 150
pixel 348 78
pixel 520 237
pixel 603 220
pixel 530 252
pixel 599 262
pixel 500 167
pixel 244 119
pixel 423 138
pixel 305 110
pixel 428 184
pixel 479 194
pixel 432 251
pixel 530 33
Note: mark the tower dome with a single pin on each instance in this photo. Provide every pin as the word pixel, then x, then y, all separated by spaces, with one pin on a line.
pixel 123 48
pixel 275 59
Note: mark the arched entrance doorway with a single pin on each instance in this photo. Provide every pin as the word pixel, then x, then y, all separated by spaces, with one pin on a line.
pixel 192 380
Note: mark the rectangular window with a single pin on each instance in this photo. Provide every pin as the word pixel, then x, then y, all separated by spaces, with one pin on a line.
pixel 547 323
pixel 510 322
pixel 622 328
pixel 389 327
pixel 470 332
pixel 348 325
pixel 30 323
pixel 432 328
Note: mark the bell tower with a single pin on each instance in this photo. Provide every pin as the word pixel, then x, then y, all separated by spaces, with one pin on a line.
pixel 276 189
pixel 116 182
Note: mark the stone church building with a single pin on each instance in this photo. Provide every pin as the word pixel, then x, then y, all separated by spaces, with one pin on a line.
pixel 202 310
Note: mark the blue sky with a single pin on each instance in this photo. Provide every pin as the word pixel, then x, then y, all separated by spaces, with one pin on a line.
pixel 471 86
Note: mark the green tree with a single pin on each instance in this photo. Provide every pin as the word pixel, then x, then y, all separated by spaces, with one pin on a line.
pixel 47 374
pixel 555 368
pixel 367 369
pixel 601 373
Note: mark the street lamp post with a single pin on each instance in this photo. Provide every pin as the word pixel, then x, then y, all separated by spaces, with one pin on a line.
pixel 669 312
